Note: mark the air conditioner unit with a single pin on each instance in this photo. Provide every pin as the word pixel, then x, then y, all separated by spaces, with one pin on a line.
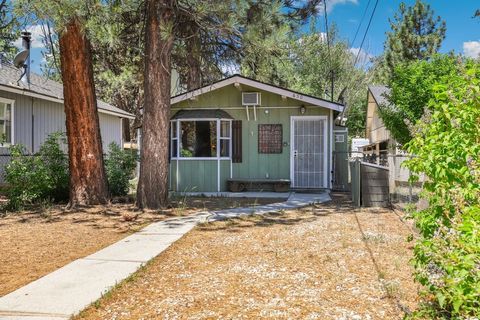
pixel 251 98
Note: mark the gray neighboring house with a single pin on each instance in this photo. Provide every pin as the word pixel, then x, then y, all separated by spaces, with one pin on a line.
pixel 29 113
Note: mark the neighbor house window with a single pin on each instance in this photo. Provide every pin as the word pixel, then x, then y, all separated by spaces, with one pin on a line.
pixel 5 122
pixel 200 138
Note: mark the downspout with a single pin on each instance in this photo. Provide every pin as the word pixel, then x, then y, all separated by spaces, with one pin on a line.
pixel 33 128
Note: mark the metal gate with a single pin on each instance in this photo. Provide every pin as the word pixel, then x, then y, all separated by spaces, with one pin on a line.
pixel 309 152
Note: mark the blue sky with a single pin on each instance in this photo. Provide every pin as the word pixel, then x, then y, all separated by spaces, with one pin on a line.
pixel 463 32
pixel 461 28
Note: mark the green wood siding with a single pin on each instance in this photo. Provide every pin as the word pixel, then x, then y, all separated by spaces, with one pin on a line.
pixel 273 110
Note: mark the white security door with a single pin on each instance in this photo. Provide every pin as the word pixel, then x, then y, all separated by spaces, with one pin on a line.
pixel 309 152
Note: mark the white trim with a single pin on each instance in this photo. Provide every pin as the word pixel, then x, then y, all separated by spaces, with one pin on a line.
pixel 12 122
pixel 121 132
pixel 261 86
pixel 218 155
pixel 236 108
pixel 330 156
pixel 57 100
pixel 325 146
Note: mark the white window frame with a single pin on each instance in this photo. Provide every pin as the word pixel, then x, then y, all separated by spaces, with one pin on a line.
pixel 12 127
pixel 179 140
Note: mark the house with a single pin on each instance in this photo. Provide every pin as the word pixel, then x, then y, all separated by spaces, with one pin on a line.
pixel 29 112
pixel 378 135
pixel 384 150
pixel 239 130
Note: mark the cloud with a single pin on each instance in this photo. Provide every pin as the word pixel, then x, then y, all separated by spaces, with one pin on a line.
pixel 364 57
pixel 332 3
pixel 471 49
pixel 37 37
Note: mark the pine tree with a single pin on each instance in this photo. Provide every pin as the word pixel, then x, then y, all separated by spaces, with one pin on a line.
pixel 416 35
pixel 8 29
pixel 88 183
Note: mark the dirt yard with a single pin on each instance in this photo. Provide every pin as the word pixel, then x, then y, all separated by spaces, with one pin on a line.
pixel 324 262
pixel 35 243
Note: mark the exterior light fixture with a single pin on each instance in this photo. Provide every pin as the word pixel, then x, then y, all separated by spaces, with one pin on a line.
pixel 303 110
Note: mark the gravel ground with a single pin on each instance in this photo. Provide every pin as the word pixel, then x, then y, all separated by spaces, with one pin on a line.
pixel 35 243
pixel 324 262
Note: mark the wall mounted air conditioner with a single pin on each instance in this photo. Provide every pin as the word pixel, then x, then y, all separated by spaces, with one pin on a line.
pixel 251 98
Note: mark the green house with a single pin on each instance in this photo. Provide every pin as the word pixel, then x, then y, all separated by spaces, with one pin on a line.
pixel 242 130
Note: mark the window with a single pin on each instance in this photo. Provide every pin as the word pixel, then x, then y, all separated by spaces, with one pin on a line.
pixel 339 138
pixel 5 123
pixel 200 138
pixel 225 139
pixel 270 137
pixel 174 139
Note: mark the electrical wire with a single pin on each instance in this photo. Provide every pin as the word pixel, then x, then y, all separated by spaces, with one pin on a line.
pixel 361 22
pixel 366 31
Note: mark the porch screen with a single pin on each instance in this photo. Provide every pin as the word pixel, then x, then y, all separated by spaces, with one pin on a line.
pixel 270 138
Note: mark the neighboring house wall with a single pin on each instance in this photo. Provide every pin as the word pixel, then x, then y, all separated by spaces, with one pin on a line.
pixel 195 175
pixel 375 128
pixel 34 119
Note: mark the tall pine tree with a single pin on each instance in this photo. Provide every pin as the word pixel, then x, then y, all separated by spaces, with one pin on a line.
pixel 416 35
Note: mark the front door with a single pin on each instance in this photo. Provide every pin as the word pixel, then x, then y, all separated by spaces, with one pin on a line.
pixel 308 166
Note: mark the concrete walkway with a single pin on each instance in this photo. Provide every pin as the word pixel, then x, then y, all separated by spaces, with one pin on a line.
pixel 70 289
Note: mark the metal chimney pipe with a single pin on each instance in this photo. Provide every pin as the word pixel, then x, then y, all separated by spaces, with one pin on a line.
pixel 26 41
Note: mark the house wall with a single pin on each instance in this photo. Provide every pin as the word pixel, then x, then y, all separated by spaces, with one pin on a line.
pixel 34 119
pixel 254 165
pixel 375 128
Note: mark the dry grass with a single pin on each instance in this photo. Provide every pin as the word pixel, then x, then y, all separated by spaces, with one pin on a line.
pixel 324 262
pixel 35 243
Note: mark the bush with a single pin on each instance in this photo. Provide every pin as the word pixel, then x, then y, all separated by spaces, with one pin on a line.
pixel 27 178
pixel 38 177
pixel 120 167
pixel 56 164
pixel 447 148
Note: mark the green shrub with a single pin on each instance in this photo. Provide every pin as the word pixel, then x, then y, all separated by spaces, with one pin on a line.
pixel 447 148
pixel 39 177
pixel 56 164
pixel 120 167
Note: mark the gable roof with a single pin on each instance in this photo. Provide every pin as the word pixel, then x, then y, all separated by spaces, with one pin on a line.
pixel 380 94
pixel 295 95
pixel 46 89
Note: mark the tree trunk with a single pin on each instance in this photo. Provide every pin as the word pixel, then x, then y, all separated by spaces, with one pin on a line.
pixel 88 184
pixel 152 191
pixel 193 56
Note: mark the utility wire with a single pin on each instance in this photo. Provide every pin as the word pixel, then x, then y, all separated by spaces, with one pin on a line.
pixel 330 69
pixel 366 31
pixel 361 22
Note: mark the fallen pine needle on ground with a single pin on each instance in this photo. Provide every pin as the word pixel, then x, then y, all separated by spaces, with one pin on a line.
pixel 329 261
pixel 36 242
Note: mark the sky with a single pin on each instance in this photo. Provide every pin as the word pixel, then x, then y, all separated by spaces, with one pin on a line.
pixel 463 32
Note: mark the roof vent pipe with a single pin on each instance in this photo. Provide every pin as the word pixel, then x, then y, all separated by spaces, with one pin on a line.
pixel 26 41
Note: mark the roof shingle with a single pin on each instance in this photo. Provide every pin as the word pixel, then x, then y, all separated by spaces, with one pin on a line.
pixel 9 77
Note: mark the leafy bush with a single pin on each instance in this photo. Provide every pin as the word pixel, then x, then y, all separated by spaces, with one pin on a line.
pixel 447 148
pixel 411 90
pixel 120 167
pixel 27 178
pixel 38 177
pixel 56 164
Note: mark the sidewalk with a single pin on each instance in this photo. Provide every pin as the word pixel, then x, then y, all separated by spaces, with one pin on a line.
pixel 68 290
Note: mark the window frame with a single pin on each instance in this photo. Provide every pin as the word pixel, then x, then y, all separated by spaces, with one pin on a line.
pixel 11 102
pixel 218 139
